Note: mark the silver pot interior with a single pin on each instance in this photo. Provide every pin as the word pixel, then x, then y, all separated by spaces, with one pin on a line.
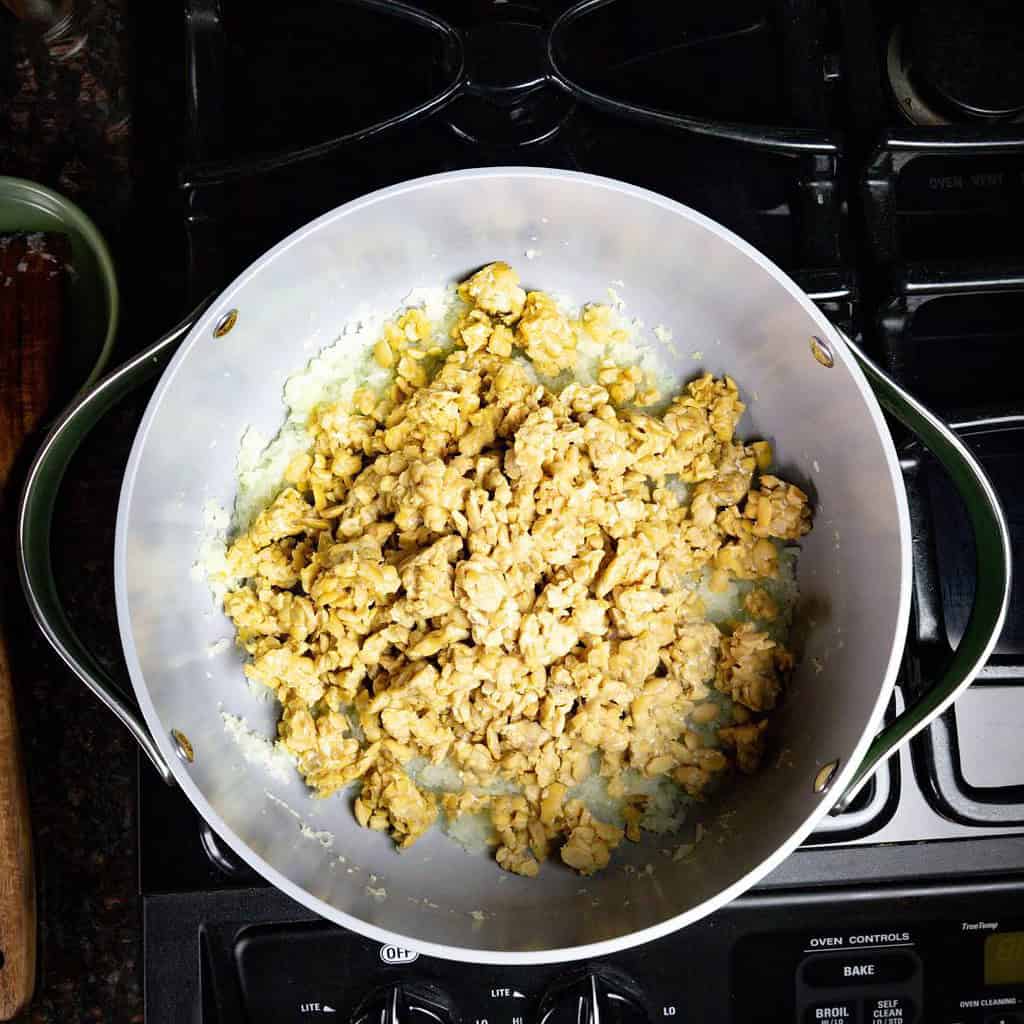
pixel 721 300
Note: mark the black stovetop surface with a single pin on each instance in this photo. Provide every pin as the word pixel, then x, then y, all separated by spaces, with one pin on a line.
pixel 786 120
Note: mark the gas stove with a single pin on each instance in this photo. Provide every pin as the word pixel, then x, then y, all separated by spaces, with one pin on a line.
pixel 875 151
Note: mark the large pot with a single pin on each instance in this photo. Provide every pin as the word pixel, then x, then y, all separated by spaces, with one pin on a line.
pixel 814 399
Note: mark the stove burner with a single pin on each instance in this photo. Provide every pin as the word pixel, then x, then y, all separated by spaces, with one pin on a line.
pixel 959 61
pixel 508 99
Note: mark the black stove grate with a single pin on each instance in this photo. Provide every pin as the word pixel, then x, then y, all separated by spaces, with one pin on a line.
pixel 969 318
pixel 564 107
pixel 435 89
pixel 663 50
pixel 934 187
pixel 240 197
pixel 784 120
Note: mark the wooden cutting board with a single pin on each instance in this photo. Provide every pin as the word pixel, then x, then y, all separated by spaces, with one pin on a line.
pixel 32 309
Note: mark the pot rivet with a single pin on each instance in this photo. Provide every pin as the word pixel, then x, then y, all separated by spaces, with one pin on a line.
pixel 225 323
pixel 183 746
pixel 822 352
pixel 825 776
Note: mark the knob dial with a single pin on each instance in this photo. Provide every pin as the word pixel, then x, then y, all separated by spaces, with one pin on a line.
pixel 407 1003
pixel 595 997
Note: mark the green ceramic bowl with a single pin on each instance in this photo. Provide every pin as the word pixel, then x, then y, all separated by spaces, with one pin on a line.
pixel 95 302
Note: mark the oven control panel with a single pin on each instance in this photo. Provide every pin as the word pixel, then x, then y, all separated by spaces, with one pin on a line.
pixel 964 971
pixel 917 955
pixel 876 980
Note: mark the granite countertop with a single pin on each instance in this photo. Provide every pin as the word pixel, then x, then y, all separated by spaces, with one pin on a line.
pixel 65 118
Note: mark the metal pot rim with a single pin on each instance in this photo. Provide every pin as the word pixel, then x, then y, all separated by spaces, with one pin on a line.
pixel 839 781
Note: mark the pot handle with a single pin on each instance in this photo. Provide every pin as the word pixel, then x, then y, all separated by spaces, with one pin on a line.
pixel 992 547
pixel 35 519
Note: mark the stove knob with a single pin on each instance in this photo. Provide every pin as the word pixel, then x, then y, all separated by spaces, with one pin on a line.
pixel 593 998
pixel 407 1003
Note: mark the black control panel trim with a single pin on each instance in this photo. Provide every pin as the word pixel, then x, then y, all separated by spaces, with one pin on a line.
pixel 856 865
pixel 689 976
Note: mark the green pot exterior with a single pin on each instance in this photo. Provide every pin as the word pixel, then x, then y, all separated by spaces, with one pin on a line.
pixel 95 300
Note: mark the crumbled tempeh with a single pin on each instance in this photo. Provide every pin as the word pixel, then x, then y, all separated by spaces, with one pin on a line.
pixel 748 741
pixel 750 668
pixel 473 569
